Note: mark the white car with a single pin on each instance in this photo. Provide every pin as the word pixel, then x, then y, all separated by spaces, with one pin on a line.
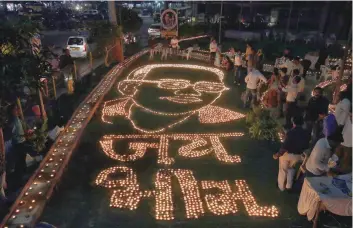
pixel 154 30
pixel 78 46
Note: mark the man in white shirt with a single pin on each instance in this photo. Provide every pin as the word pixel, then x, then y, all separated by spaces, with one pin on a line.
pixel 238 62
pixel 342 108
pixel 343 114
pixel 213 50
pixel 317 163
pixel 251 80
pixel 291 105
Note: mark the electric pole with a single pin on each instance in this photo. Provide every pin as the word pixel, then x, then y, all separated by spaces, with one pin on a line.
pixel 288 21
pixel 220 24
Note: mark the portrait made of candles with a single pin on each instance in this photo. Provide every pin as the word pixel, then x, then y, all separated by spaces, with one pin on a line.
pixel 156 101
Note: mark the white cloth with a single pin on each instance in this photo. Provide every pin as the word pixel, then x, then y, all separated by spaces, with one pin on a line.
pixel 213 47
pixel 174 43
pixel 253 78
pixel 217 61
pixel 237 60
pixel 53 134
pixel 316 189
pixel 342 111
pixel 292 92
pixel 347 133
pixel 317 162
pixel 286 170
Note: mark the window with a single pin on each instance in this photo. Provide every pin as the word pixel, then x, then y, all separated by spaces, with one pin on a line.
pixel 75 41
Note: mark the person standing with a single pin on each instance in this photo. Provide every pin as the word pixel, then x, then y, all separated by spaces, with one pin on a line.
pixel 217 61
pixel 18 142
pixel 250 56
pixel 259 59
pixel 213 50
pixel 291 104
pixel 344 151
pixel 165 51
pixel 65 59
pixel 271 97
pixel 251 80
pixel 342 108
pixel 295 143
pixel 174 43
pixel 343 114
pixel 283 82
pixel 317 104
pixel 237 67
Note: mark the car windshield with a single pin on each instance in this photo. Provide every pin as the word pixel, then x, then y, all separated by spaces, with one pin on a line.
pixel 75 41
pixel 155 27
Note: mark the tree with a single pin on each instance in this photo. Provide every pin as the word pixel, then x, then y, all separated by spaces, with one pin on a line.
pixel 20 66
pixel 22 63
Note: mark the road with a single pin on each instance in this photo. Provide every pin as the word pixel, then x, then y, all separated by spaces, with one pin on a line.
pixel 59 39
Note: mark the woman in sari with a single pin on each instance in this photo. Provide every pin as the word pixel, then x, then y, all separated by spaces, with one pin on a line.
pixel 271 97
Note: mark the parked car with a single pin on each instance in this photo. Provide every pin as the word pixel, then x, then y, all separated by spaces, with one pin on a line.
pixel 154 30
pixel 78 46
pixel 92 15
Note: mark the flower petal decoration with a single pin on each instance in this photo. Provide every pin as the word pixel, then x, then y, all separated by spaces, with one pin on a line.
pixel 212 114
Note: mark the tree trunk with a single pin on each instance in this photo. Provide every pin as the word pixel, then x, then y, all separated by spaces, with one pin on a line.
pixel 2 145
pixel 42 108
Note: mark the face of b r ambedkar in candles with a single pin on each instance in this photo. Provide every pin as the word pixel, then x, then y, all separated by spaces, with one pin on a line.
pixel 180 94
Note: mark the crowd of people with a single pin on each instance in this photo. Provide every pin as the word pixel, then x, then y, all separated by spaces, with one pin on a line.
pixel 321 141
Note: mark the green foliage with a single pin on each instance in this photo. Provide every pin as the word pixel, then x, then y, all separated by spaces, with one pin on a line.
pixel 19 67
pixel 131 22
pixel 262 125
pixel 39 136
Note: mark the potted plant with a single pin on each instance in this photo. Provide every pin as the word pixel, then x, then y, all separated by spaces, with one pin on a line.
pixel 262 125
